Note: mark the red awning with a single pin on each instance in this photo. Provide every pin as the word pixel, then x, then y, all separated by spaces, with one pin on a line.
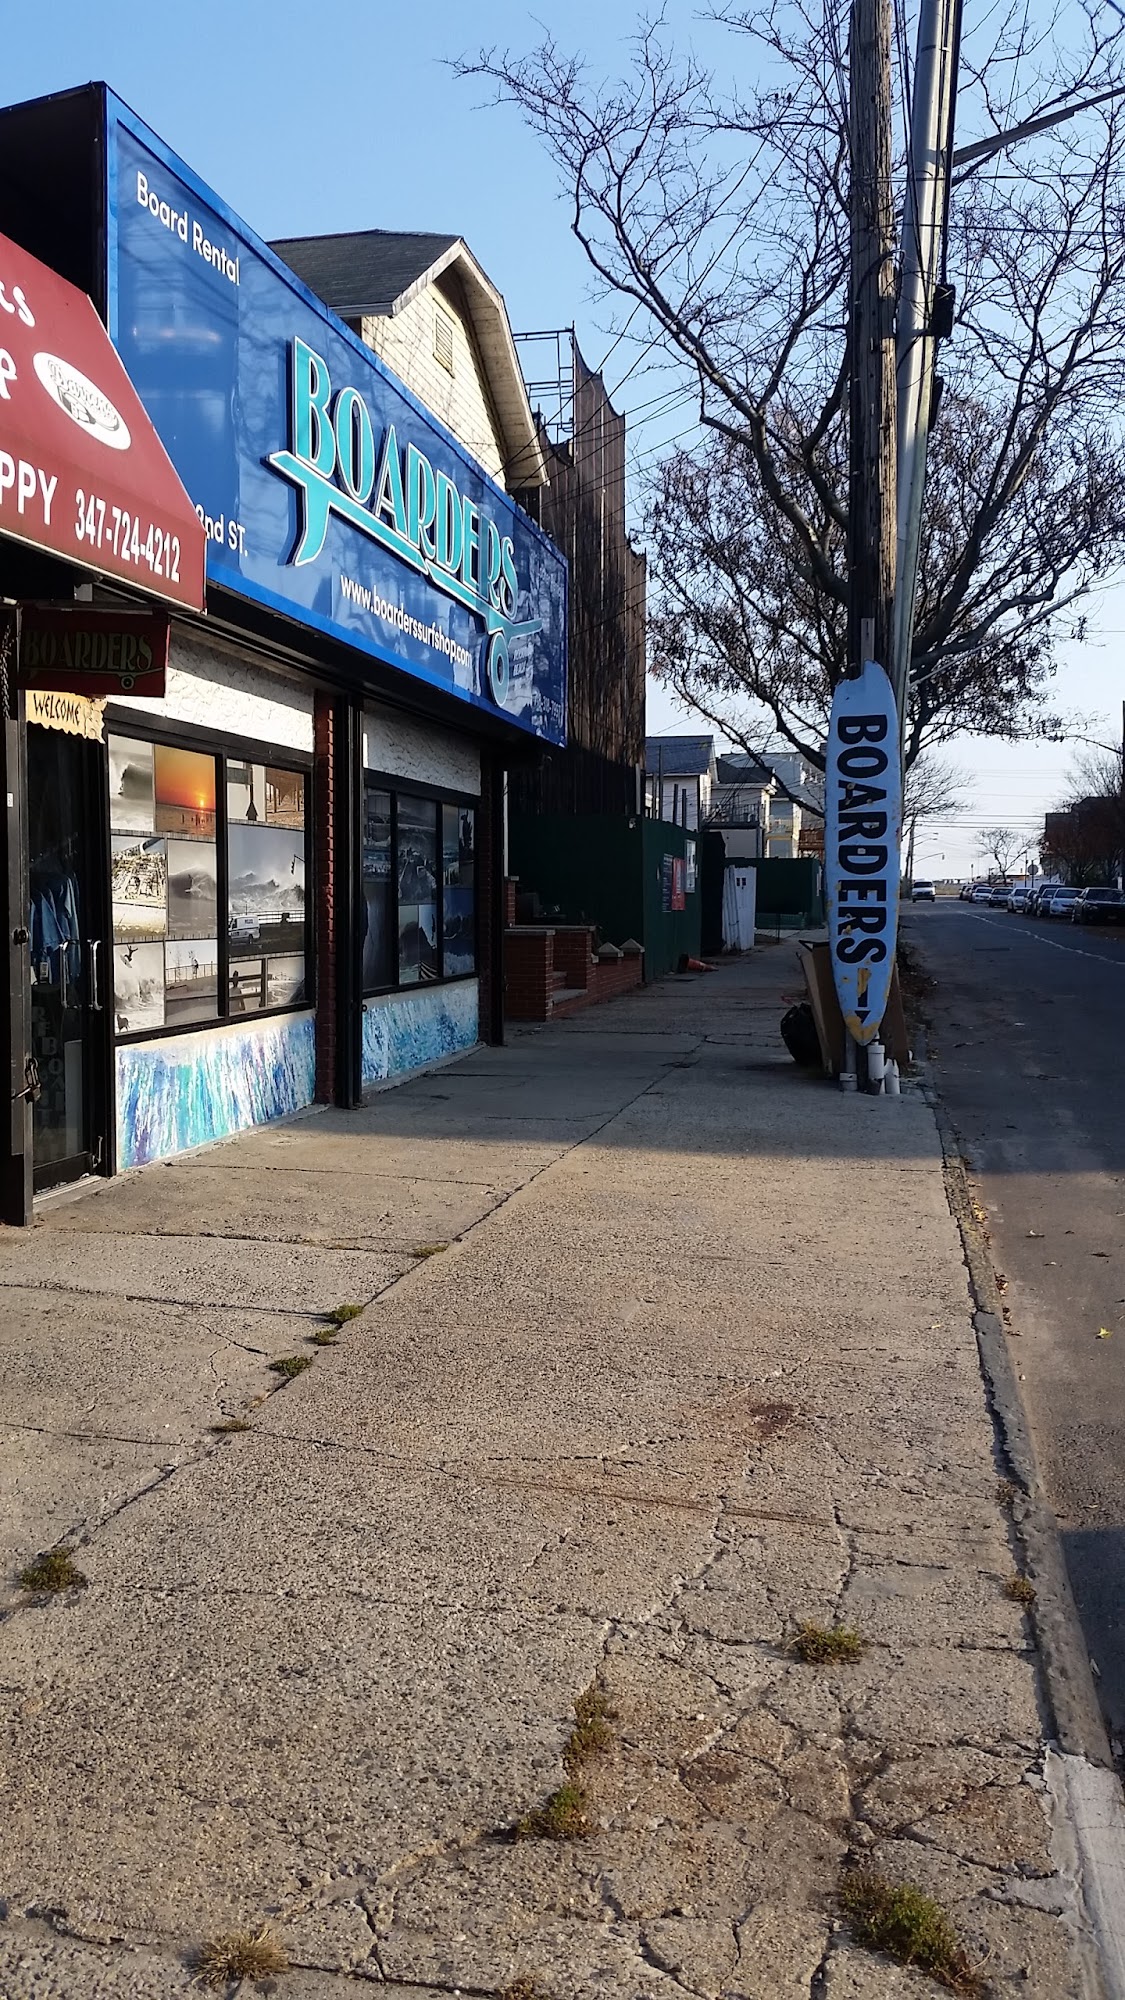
pixel 82 471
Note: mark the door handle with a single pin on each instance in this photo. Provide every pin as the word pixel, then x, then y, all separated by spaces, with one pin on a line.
pixel 95 976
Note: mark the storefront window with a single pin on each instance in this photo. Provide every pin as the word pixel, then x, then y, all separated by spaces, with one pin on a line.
pixel 175 962
pixel 419 898
pixel 266 890
pixel 417 890
pixel 458 891
pixel 378 889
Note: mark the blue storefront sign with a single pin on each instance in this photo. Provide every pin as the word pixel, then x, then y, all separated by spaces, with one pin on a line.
pixel 327 491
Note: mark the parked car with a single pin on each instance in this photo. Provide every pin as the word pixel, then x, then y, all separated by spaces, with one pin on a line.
pixel 998 896
pixel 1017 898
pixel 1098 906
pixel 981 893
pixel 1040 895
pixel 923 892
pixel 1059 902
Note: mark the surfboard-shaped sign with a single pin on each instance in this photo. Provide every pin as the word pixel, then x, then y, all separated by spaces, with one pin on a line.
pixel 862 837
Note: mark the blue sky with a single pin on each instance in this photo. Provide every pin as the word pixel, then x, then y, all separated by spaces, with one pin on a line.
pixel 341 115
pixel 344 115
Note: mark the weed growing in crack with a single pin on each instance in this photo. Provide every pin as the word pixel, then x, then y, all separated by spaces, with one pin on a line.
pixel 525 1988
pixel 827 1645
pixel 428 1249
pixel 907 1925
pixel 340 1315
pixel 1020 1589
pixel 220 1961
pixel 325 1336
pixel 52 1571
pixel 591 1736
pixel 1007 1492
pixel 564 1816
pixel 290 1365
pixel 229 1426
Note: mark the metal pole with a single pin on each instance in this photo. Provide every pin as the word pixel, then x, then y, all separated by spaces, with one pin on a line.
pixel 923 231
pixel 871 498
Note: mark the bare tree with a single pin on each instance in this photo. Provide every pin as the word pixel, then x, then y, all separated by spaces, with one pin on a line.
pixel 1001 844
pixel 717 216
pixel 935 789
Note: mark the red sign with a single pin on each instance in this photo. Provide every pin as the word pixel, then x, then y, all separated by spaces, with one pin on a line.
pixel 77 649
pixel 82 471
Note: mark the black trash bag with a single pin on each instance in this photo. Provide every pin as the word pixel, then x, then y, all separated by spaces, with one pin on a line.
pixel 798 1032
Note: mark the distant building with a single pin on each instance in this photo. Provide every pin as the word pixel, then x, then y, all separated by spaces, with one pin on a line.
pixel 680 777
pixel 780 792
pixel 583 859
pixel 582 508
pixel 741 804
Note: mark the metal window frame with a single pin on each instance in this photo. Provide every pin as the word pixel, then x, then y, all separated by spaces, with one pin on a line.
pixel 222 748
pixel 438 796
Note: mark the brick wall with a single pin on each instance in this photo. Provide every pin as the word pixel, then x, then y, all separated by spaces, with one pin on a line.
pixel 529 973
pixel 491 899
pixel 539 961
pixel 574 955
pixel 609 979
pixel 324 858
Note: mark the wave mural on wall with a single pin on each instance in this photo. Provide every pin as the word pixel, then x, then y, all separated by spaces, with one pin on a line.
pixel 173 1095
pixel 407 1030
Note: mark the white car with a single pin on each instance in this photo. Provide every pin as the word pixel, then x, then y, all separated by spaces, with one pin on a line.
pixel 923 892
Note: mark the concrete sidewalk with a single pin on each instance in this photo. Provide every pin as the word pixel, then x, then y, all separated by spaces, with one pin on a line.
pixel 690 1360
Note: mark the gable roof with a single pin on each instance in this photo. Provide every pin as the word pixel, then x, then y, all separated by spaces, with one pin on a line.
pixel 679 756
pixel 375 273
pixel 739 767
pixel 367 270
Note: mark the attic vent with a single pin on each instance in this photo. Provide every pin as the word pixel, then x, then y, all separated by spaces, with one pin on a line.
pixel 443 339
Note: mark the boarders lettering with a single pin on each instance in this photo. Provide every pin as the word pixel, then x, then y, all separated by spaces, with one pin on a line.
pixel 863 853
pixel 392 494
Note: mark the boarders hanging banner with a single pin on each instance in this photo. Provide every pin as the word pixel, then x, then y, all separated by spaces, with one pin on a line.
pixel 862 837
pixel 91 650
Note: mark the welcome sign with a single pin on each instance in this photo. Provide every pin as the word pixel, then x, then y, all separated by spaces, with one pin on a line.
pixel 326 491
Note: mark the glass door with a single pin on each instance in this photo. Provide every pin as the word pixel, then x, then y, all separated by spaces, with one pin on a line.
pixel 67 951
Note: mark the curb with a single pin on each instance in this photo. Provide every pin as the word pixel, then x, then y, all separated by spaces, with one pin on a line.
pixel 1083 1782
pixel 1078 1723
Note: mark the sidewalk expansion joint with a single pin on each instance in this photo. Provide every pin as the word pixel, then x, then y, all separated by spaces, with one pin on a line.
pixel 84 1436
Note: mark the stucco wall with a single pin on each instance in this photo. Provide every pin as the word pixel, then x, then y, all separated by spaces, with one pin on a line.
pixel 400 748
pixel 231 695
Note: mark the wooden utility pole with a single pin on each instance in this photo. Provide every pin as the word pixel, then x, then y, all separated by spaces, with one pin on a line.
pixel 873 464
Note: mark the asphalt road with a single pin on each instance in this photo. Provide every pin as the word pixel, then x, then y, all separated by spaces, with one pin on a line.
pixel 1028 1043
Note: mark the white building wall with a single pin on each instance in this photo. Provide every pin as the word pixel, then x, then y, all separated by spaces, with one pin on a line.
pixel 668 797
pixel 221 690
pixel 399 748
pixel 406 343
